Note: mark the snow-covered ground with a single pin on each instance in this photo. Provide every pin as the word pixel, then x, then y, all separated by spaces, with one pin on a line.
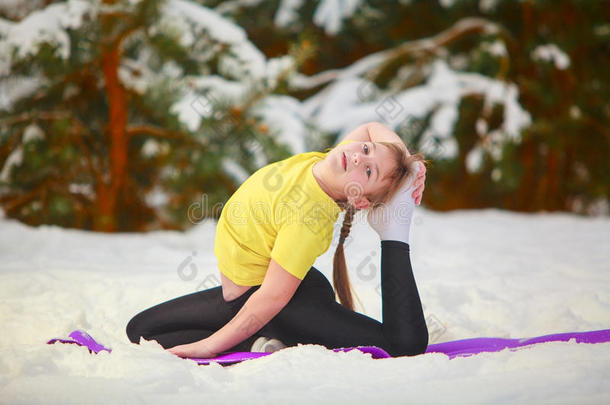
pixel 480 273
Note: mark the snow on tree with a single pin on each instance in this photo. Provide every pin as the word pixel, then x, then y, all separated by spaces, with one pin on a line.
pixel 526 82
pixel 135 102
pixel 175 100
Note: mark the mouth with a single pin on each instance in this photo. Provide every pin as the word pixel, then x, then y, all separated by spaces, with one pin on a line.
pixel 344 161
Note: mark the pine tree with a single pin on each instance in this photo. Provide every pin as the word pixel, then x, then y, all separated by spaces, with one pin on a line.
pixel 119 115
pixel 549 58
pixel 508 99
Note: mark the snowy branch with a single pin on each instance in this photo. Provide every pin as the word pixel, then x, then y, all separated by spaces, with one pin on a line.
pixel 375 61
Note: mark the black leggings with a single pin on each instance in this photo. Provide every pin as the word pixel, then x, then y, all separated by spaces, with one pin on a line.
pixel 311 316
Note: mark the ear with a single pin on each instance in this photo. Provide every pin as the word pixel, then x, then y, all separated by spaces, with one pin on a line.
pixel 361 203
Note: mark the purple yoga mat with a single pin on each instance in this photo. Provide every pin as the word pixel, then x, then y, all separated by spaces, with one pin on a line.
pixel 457 348
pixel 468 347
pixel 82 338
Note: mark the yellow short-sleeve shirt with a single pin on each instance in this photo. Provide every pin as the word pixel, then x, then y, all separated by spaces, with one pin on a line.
pixel 279 212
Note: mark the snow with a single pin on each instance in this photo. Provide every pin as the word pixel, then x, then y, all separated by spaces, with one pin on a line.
pixel 479 273
pixel 15 88
pixel 243 67
pixel 31 133
pixel 191 108
pixel 496 48
pixel 287 13
pixel 474 159
pixel 14 159
pixel 24 38
pixel 551 53
pixel 447 3
pixel 346 101
pixel 244 57
pixel 217 26
pixel 330 14
pixel 488 6
pixel 150 148
pixel 285 116
pixel 233 169
pixel 47 26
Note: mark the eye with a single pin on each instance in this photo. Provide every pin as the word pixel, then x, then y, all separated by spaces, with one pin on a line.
pixel 366 152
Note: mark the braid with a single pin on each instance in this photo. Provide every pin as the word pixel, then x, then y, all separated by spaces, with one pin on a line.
pixel 340 276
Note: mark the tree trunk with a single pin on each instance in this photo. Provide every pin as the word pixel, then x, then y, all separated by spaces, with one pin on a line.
pixel 108 189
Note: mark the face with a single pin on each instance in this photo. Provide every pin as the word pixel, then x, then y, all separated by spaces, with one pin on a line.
pixel 355 170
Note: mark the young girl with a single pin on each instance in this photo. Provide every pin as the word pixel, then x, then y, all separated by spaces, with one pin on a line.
pixel 270 233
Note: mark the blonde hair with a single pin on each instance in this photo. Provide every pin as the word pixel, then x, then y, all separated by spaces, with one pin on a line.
pixel 402 171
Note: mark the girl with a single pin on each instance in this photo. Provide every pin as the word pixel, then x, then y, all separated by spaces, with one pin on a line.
pixel 270 233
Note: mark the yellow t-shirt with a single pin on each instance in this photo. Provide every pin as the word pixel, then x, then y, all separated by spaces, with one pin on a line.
pixel 279 212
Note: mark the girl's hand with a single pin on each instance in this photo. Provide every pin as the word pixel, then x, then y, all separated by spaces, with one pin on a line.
pixel 199 349
pixel 419 183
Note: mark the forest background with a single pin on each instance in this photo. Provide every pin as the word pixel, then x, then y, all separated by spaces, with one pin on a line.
pixel 137 115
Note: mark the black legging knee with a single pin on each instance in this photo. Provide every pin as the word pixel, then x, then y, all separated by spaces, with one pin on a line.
pixel 311 316
pixel 187 319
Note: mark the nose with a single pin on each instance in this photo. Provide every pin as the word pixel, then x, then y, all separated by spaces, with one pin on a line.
pixel 357 158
